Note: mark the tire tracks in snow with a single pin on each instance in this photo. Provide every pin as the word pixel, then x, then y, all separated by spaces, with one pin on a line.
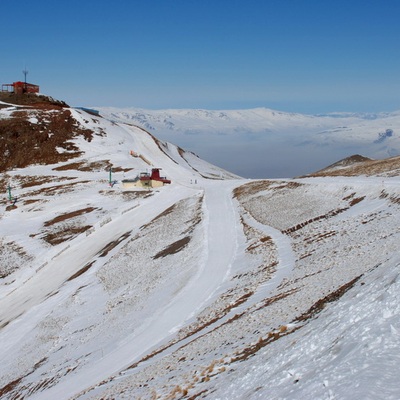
pixel 220 207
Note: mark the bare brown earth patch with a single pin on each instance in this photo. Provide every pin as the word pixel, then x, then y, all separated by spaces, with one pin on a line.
pixel 106 249
pixel 356 200
pixel 32 180
pixel 65 234
pixel 287 185
pixel 31 201
pixel 315 219
pixel 393 199
pixel 262 342
pixel 77 166
pixel 72 214
pixel 173 248
pixel 388 166
pixel 65 226
pixel 10 387
pixel 331 297
pixel 57 189
pixel 33 204
pixel 260 242
pixel 35 135
pixel 31 99
pixel 92 166
pixel 81 271
pixel 251 188
pixel 330 214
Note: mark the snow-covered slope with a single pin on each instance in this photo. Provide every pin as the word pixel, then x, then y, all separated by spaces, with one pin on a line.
pixel 210 287
pixel 279 144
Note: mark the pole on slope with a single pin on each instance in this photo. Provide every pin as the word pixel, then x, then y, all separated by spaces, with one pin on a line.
pixel 9 192
pixel 110 178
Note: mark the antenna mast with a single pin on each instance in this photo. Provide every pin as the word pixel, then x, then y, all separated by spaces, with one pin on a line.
pixel 25 72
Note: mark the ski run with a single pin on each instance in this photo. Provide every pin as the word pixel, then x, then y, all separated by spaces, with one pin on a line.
pixel 212 286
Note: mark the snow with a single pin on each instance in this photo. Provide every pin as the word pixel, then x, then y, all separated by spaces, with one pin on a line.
pixel 214 286
pixel 354 357
pixel 278 144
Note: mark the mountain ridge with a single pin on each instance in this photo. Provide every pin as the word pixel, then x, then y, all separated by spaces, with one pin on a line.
pixel 278 143
pixel 213 286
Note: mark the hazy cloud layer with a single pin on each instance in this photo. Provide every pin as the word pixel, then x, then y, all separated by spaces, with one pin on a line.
pixel 263 143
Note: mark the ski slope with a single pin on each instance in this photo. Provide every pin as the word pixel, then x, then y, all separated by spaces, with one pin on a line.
pixel 167 317
pixel 211 287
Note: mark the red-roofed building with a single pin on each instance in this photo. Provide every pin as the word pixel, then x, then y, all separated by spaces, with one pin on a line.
pixel 146 180
pixel 20 87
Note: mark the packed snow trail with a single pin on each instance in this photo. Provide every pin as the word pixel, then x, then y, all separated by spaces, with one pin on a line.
pixel 220 249
pixel 286 262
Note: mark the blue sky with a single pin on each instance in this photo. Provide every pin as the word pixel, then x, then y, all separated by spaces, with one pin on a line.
pixel 309 56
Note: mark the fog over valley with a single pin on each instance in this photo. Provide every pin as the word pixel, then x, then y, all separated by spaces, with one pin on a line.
pixel 263 143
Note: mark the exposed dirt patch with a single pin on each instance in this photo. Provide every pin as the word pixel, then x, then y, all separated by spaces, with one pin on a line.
pixel 320 304
pixel 72 214
pixel 106 249
pixel 30 181
pixel 64 234
pixel 93 166
pixel 65 226
pixel 262 342
pixel 39 136
pixel 356 200
pixel 315 219
pixel 56 189
pixel 287 185
pixel 32 99
pixel 173 248
pixel 81 271
pixel 77 166
pixel 363 166
pixel 10 387
pixel 32 201
pixel 351 161
pixel 260 242
pixel 393 199
pixel 256 187
pixel 251 188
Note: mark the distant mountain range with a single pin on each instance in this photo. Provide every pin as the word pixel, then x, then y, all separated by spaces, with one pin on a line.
pixel 278 144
